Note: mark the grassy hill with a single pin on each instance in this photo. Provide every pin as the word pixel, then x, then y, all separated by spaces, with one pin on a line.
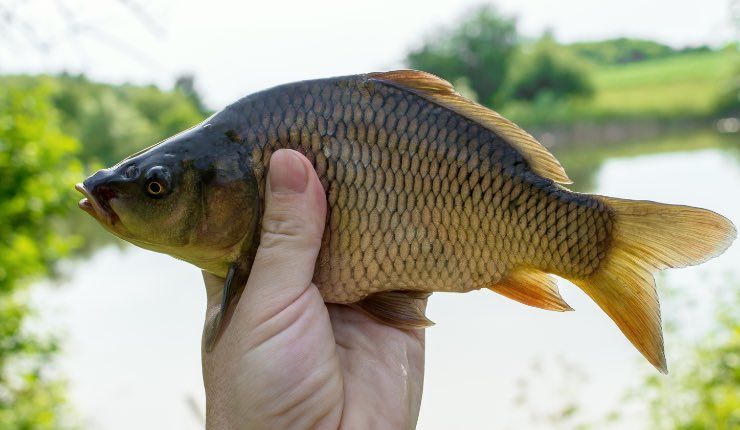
pixel 682 85
pixel 685 86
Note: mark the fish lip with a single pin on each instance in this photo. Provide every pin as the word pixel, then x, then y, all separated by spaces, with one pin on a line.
pixel 93 206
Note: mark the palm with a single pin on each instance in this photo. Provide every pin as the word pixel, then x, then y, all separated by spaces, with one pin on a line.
pixel 383 369
pixel 342 367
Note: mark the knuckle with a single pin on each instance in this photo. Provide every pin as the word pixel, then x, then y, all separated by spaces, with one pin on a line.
pixel 290 225
pixel 283 232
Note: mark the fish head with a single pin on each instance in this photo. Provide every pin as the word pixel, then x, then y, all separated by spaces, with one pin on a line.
pixel 193 196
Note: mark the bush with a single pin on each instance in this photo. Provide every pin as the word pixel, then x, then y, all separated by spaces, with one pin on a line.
pixel 702 392
pixel 37 171
pixel 546 71
pixel 478 51
pixel 112 122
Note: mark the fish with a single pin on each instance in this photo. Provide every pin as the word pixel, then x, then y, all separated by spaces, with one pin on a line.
pixel 427 192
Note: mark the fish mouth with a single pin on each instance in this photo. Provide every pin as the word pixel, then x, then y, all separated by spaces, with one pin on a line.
pixel 98 208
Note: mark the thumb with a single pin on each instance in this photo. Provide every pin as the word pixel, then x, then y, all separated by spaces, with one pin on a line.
pixel 292 227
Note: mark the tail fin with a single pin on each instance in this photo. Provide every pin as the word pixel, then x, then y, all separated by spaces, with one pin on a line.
pixel 647 237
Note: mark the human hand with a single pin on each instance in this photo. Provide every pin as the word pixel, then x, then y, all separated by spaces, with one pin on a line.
pixel 287 360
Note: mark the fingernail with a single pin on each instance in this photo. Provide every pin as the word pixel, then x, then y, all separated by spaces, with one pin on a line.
pixel 287 173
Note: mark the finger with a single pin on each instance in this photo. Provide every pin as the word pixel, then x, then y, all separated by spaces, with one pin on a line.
pixel 292 226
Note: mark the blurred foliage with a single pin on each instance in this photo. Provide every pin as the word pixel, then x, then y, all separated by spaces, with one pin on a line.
pixel 32 396
pixel 37 170
pixel 728 100
pixel 679 87
pixel 39 222
pixel 113 121
pixel 186 85
pixel 703 390
pixel 477 51
pixel 625 50
pixel 546 71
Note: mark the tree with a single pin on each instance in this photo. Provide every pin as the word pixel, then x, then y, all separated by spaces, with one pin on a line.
pixel 477 51
pixel 546 71
pixel 186 85
pixel 112 121
pixel 37 170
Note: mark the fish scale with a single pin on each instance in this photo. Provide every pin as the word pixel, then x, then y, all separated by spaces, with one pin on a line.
pixel 419 198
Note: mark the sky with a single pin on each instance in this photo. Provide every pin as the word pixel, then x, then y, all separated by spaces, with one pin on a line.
pixel 237 47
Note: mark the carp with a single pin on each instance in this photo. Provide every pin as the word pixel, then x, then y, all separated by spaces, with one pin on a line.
pixel 427 192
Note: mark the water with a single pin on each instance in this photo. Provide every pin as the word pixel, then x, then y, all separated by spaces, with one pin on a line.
pixel 131 321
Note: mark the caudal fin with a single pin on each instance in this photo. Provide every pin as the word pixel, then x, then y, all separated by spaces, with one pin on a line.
pixel 647 237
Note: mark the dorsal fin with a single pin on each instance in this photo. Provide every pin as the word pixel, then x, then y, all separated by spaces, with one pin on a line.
pixel 441 92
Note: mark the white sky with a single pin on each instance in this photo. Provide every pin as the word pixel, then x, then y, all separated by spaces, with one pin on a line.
pixel 237 47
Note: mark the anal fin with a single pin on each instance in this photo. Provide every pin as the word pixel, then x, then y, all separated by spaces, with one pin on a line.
pixel 532 287
pixel 400 309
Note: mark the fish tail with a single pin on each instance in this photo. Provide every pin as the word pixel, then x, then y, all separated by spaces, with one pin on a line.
pixel 647 237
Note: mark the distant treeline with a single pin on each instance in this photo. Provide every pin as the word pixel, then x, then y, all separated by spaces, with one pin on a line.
pixel 112 121
pixel 625 50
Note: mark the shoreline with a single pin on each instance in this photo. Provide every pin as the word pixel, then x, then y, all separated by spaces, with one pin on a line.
pixel 564 137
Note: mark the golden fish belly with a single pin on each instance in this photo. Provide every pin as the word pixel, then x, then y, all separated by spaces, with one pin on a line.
pixel 419 197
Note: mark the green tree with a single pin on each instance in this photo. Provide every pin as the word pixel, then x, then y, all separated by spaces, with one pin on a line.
pixel 186 85
pixel 547 71
pixel 477 51
pixel 112 122
pixel 37 170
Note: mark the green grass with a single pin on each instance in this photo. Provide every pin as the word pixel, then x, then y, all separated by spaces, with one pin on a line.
pixel 687 84
pixel 677 87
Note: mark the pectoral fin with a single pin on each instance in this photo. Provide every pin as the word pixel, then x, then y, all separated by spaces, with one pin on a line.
pixel 400 309
pixel 533 288
pixel 235 279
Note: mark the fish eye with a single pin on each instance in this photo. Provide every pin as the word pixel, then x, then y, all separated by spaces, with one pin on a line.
pixel 154 188
pixel 157 182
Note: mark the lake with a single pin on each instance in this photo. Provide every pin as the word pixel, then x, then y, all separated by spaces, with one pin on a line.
pixel 130 320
